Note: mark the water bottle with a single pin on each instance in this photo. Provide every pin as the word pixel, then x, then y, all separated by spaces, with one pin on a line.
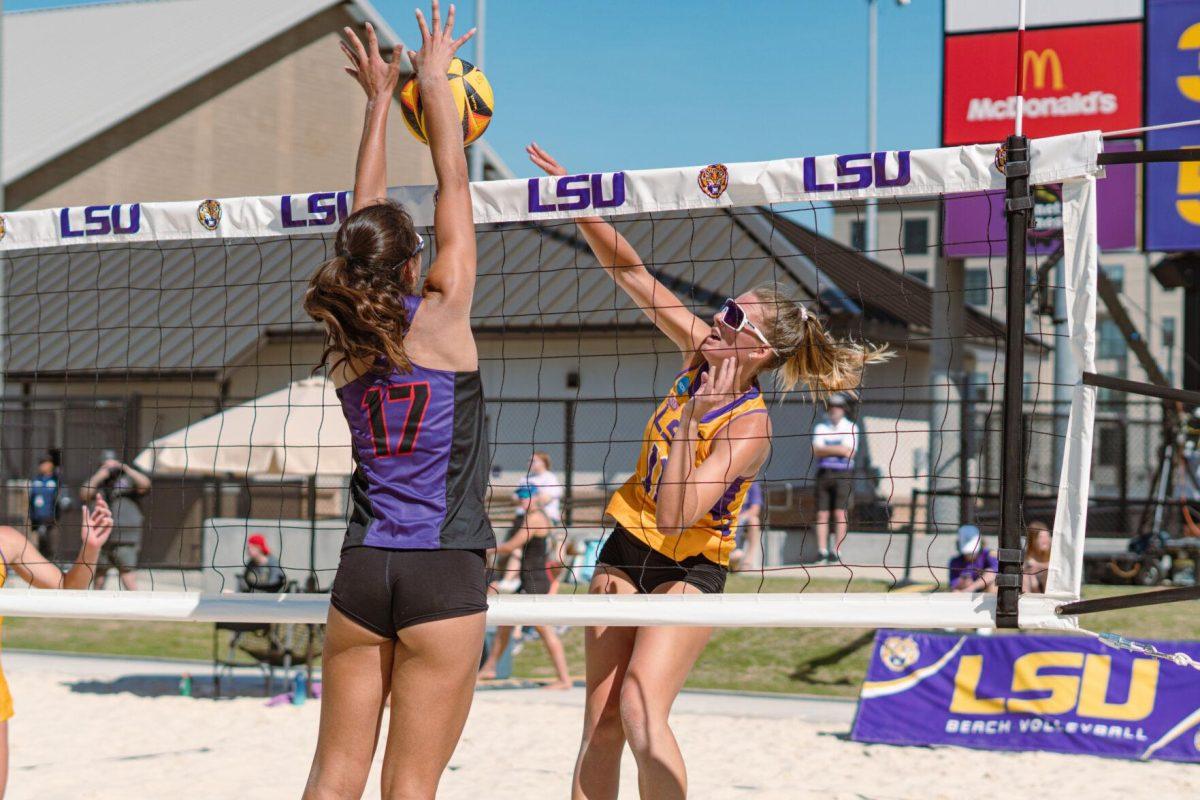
pixel 299 689
pixel 185 685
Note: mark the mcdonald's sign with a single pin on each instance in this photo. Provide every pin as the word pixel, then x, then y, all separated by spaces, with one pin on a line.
pixel 1043 64
pixel 1074 79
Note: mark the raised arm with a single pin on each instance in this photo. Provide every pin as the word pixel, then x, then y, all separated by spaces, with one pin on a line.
pixel 34 569
pixel 141 482
pixel 622 262
pixel 378 80
pixel 452 273
pixel 91 487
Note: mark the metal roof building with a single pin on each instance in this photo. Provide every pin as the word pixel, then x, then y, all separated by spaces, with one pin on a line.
pixel 173 99
pixel 196 310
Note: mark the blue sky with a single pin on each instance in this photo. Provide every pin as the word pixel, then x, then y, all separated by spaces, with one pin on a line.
pixel 623 84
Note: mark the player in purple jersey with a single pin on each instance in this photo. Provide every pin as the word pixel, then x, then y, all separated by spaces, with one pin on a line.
pixel 407 606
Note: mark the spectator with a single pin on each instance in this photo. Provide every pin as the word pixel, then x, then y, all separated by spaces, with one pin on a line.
pixel 541 490
pixel 1037 558
pixel 262 573
pixel 44 507
pixel 547 489
pixel 121 486
pixel 974 568
pixel 531 541
pixel 835 441
pixel 748 552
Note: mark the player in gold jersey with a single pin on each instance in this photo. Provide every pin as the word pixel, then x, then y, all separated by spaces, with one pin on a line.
pixel 677 514
pixel 18 555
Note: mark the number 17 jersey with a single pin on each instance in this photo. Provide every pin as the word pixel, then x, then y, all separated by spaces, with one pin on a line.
pixel 421 459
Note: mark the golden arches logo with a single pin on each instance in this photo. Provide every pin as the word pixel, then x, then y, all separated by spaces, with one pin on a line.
pixel 1041 63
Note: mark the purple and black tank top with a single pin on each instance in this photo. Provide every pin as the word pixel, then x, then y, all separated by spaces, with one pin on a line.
pixel 421 459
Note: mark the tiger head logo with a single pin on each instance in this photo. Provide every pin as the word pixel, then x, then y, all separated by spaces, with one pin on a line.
pixel 3 229
pixel 209 214
pixel 713 180
pixel 1001 159
pixel 898 653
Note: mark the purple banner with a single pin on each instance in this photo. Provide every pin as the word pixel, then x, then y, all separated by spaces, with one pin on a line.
pixel 974 223
pixel 1172 95
pixel 1062 693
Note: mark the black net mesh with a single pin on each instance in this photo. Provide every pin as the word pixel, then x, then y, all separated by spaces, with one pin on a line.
pixel 109 348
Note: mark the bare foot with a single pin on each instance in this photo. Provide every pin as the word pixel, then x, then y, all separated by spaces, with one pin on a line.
pixel 486 675
pixel 558 685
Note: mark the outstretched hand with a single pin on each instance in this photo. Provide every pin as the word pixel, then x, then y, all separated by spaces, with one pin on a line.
pixel 97 523
pixel 544 160
pixel 438 44
pixel 377 77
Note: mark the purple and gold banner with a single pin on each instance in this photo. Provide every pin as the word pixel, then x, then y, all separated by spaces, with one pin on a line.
pixel 1059 693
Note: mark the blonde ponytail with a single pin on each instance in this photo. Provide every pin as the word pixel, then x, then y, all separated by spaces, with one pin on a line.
pixel 807 354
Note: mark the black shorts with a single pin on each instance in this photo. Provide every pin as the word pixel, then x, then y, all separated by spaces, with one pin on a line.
pixel 387 590
pixel 649 569
pixel 833 489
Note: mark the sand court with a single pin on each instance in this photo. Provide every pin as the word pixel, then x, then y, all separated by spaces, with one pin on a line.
pixel 91 727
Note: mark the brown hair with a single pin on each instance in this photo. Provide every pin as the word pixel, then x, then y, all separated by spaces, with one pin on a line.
pixel 807 354
pixel 358 295
pixel 1031 535
pixel 544 456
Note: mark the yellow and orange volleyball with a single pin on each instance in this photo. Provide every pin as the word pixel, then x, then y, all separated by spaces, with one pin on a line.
pixel 472 96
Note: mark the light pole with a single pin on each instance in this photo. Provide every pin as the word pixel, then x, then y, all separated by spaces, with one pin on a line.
pixel 872 219
pixel 1 105
pixel 476 165
pixel 3 320
pixel 872 101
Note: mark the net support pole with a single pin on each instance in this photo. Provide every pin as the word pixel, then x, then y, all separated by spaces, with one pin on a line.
pixel 313 581
pixel 1018 209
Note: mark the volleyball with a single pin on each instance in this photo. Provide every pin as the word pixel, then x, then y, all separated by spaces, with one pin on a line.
pixel 472 95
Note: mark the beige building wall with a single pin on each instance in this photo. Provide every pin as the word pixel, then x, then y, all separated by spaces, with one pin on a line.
pixel 294 126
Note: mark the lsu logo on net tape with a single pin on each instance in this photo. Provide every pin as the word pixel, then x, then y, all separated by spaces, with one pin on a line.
pixel 714 180
pixel 209 214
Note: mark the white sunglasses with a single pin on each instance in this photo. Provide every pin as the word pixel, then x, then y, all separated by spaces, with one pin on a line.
pixel 734 317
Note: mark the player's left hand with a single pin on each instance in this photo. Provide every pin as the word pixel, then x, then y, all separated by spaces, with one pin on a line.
pixel 717 388
pixel 97 523
pixel 544 160
pixel 438 44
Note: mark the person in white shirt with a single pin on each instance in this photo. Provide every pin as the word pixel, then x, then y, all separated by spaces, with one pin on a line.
pixel 547 489
pixel 538 514
pixel 834 443
pixel 531 554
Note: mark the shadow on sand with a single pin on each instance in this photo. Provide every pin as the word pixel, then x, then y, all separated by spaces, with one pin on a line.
pixel 161 685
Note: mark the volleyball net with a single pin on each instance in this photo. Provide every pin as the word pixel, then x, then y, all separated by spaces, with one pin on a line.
pixel 170 337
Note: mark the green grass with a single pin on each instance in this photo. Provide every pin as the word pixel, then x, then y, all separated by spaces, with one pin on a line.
pixel 824 661
pixel 833 661
pixel 192 640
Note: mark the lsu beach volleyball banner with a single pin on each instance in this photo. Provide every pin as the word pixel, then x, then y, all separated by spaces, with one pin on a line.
pixel 807 179
pixel 1066 694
